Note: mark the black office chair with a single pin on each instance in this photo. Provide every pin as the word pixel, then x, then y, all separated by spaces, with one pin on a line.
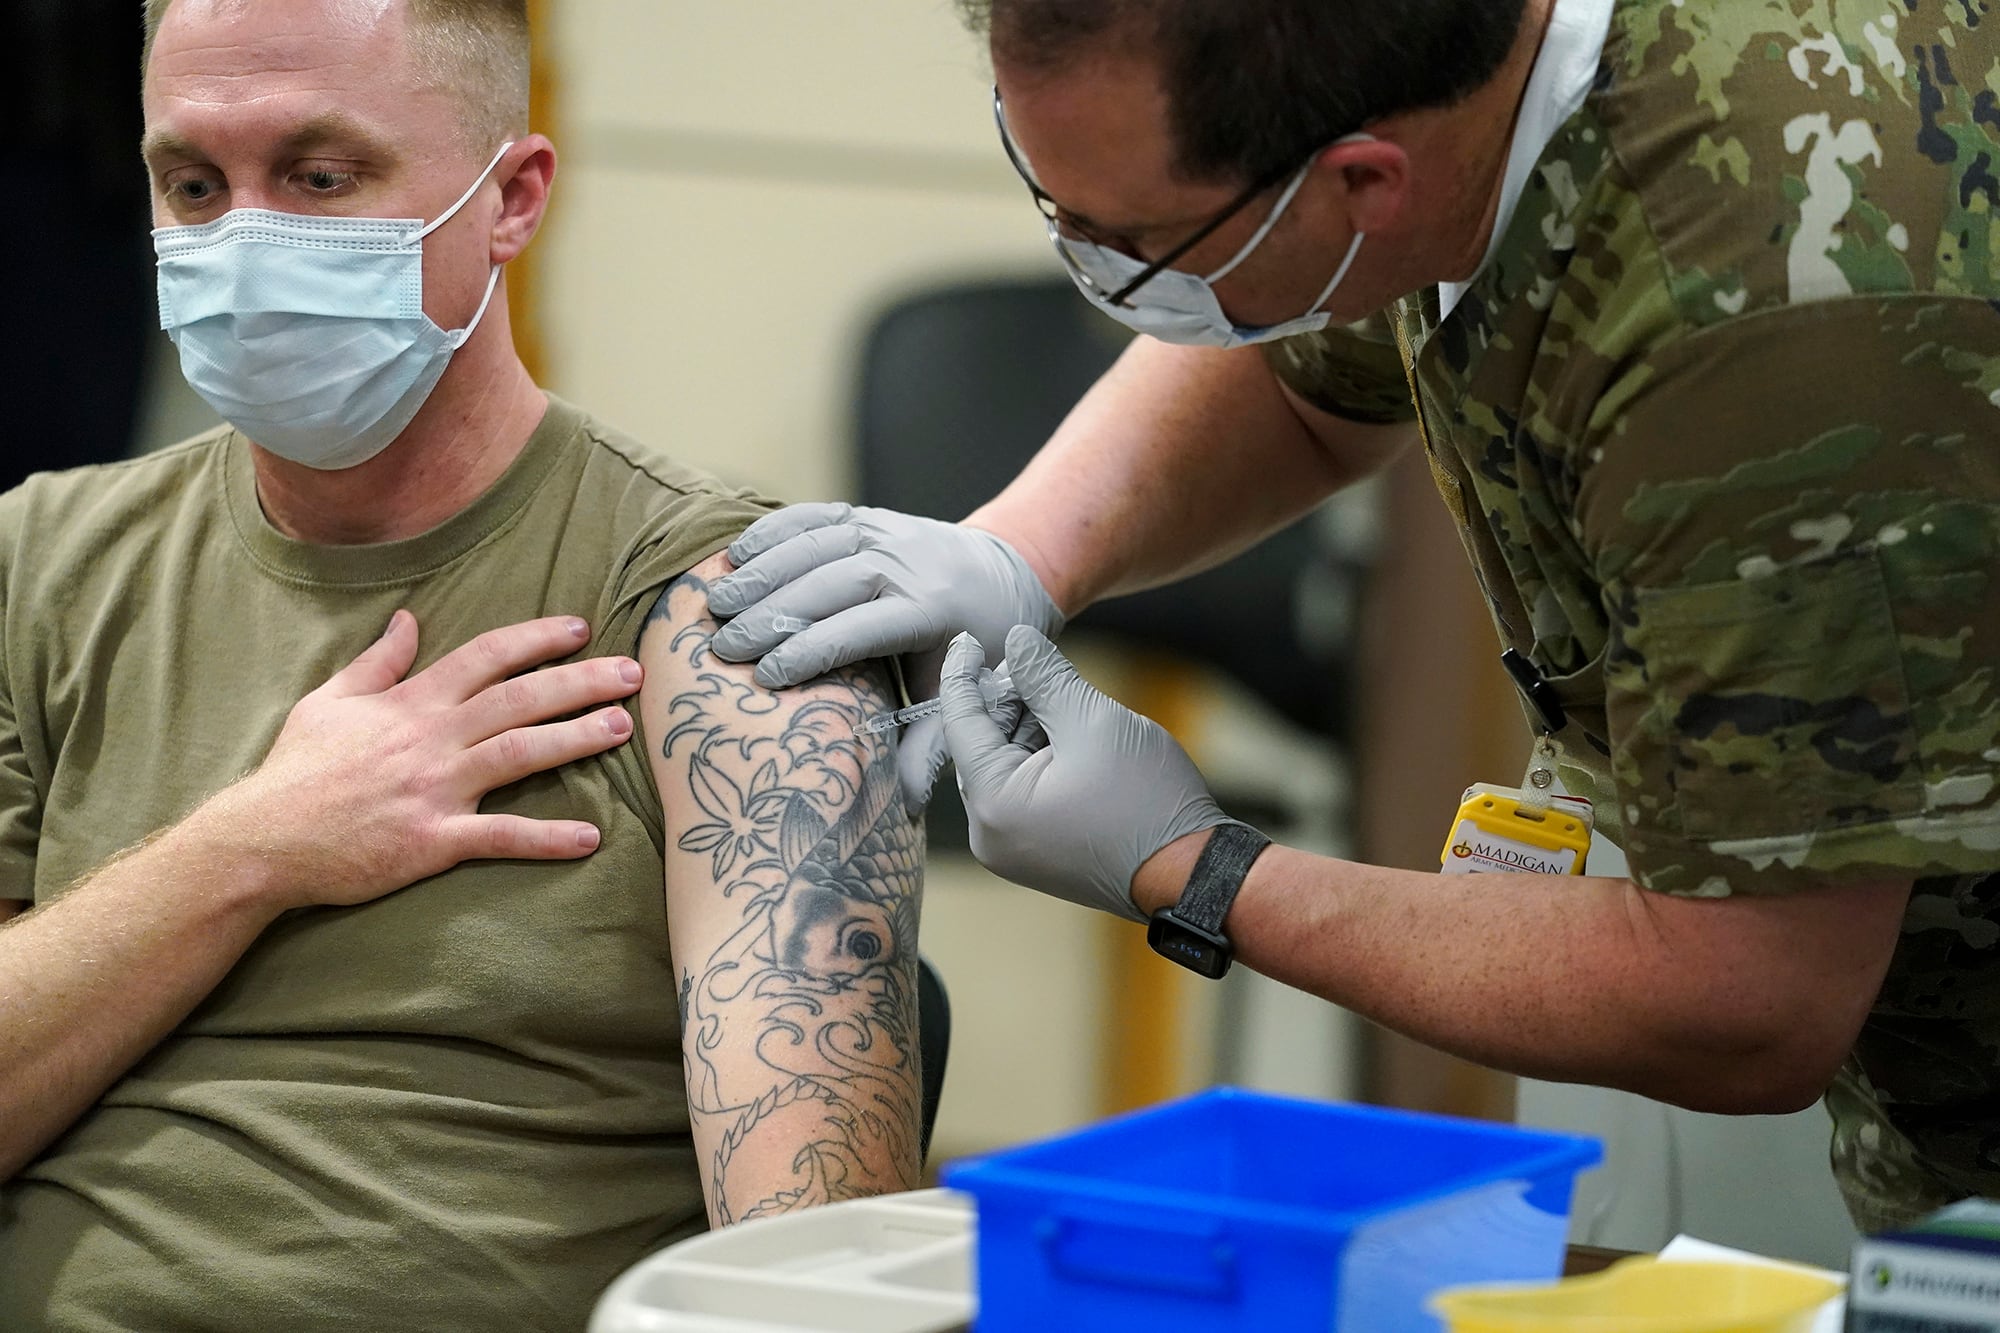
pixel 958 388
pixel 934 1041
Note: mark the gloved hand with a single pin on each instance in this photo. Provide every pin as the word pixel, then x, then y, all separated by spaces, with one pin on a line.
pixel 818 586
pixel 1078 818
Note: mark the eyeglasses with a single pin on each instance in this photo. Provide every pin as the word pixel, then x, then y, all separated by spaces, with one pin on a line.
pixel 1061 227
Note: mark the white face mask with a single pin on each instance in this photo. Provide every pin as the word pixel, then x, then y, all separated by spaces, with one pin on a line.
pixel 1182 308
pixel 306 333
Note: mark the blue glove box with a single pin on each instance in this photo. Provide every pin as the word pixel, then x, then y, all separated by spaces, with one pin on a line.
pixel 1234 1210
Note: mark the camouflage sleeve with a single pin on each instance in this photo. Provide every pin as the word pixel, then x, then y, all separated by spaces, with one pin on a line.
pixel 1795 518
pixel 1354 372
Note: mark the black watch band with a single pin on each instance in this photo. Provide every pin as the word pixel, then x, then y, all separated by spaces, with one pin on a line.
pixel 1190 932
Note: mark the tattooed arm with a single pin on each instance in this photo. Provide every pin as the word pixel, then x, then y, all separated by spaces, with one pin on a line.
pixel 793 881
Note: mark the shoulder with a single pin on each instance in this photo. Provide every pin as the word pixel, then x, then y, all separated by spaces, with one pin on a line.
pixel 664 514
pixel 694 701
pixel 616 459
pixel 55 523
pixel 1783 154
pixel 1354 371
pixel 684 598
pixel 676 647
pixel 638 511
pixel 121 487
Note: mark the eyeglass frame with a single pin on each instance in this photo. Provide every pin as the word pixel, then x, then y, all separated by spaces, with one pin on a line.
pixel 1050 210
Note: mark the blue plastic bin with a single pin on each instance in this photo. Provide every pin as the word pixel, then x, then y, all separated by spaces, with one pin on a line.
pixel 1237 1210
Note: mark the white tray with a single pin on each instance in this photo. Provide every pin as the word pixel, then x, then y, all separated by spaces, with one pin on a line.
pixel 899 1264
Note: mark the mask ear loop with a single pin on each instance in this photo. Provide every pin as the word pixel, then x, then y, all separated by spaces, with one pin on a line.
pixel 1278 211
pixel 1257 239
pixel 458 339
pixel 1339 275
pixel 466 198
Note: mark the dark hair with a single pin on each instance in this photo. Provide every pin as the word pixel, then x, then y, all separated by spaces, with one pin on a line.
pixel 1255 86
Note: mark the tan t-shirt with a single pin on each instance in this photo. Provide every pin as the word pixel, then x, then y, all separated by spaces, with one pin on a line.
pixel 458 1107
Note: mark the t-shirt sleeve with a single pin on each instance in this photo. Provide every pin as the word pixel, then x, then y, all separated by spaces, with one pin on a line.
pixel 20 812
pixel 1355 371
pixel 1796 522
pixel 20 798
pixel 697 526
pixel 682 534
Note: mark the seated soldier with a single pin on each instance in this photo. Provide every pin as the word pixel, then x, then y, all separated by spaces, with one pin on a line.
pixel 338 989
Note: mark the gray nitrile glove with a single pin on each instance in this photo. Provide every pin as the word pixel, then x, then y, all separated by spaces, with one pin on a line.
pixel 818 586
pixel 1078 818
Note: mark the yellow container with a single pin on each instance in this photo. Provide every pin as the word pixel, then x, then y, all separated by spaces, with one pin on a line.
pixel 1644 1295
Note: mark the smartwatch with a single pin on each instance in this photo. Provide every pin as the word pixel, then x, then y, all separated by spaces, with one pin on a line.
pixel 1190 932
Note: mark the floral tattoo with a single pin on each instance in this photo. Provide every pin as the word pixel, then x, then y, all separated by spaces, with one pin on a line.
pixel 799 1029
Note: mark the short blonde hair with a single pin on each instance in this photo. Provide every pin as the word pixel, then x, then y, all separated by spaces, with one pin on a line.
pixel 479 49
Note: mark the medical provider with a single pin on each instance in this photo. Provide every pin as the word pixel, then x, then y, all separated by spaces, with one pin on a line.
pixel 1691 306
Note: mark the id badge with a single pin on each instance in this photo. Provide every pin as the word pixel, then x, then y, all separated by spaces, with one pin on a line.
pixel 1499 831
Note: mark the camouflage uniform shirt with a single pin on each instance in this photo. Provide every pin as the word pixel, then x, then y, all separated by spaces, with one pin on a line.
pixel 1720 422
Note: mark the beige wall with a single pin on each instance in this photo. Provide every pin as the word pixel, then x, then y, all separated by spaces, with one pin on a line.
pixel 743 186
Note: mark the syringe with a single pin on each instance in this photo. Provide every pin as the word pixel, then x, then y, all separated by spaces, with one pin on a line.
pixel 994 687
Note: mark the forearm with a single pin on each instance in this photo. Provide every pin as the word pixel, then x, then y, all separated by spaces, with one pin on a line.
pixel 91 982
pixel 1178 459
pixel 1700 1003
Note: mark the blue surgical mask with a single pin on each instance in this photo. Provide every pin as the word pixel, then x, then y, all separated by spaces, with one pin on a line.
pixel 306 333
pixel 1178 307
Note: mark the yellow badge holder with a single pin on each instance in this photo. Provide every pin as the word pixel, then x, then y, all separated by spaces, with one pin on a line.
pixel 1525 830
pixel 1499 831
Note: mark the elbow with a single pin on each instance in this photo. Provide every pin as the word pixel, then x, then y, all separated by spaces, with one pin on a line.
pixel 14 1159
pixel 1790 1091
pixel 1801 1073
pixel 1755 1004
pixel 1775 1070
pixel 1766 1089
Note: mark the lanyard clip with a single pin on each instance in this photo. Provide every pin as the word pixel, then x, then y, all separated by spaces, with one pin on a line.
pixel 1538 692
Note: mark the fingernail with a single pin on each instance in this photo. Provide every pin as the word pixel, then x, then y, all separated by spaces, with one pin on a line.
pixel 579 629
pixel 618 722
pixel 390 628
pixel 768 676
pixel 587 838
pixel 630 672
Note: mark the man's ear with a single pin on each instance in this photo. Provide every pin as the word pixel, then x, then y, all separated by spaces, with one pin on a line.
pixel 525 174
pixel 1376 174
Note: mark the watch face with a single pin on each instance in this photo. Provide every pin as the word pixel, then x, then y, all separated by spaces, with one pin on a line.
pixel 1191 948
